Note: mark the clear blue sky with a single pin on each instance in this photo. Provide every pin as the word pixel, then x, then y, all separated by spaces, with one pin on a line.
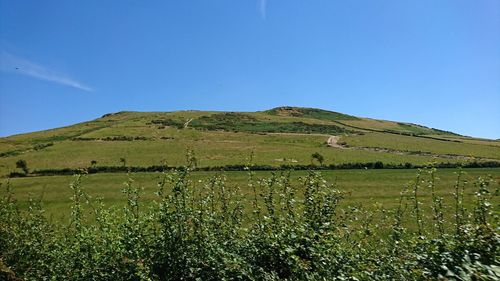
pixel 435 63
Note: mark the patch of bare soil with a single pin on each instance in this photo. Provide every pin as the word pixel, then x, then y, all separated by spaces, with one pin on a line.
pixel 333 142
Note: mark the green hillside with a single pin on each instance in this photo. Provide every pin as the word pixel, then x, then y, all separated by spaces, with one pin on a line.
pixel 353 208
pixel 283 135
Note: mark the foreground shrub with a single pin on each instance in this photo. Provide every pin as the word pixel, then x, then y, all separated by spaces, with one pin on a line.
pixel 283 232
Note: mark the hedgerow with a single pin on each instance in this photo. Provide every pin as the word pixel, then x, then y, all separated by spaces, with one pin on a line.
pixel 94 168
pixel 211 231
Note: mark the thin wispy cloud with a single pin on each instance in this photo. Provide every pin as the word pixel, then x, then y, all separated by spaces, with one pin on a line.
pixel 263 8
pixel 13 64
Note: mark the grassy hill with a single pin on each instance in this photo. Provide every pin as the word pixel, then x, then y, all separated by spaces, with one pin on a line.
pixel 283 135
pixel 381 222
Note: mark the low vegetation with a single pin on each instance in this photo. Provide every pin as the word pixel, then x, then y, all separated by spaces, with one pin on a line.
pixel 281 230
pixel 240 122
pixel 313 113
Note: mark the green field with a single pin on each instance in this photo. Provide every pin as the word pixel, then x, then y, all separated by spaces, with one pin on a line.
pixel 284 135
pixel 369 188
pixel 419 144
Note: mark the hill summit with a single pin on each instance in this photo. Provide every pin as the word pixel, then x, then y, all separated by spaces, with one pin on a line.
pixel 275 137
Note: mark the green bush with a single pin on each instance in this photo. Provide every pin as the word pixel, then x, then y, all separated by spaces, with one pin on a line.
pixel 21 164
pixel 285 232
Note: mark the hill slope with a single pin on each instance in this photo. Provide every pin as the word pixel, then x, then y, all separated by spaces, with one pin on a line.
pixel 277 136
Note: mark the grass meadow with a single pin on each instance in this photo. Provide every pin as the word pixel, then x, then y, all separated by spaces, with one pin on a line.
pixel 212 149
pixel 408 143
pixel 368 188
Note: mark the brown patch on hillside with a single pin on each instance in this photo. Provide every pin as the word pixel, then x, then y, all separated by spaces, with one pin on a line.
pixel 288 111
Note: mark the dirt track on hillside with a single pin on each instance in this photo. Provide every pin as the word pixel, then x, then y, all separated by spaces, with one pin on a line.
pixel 333 142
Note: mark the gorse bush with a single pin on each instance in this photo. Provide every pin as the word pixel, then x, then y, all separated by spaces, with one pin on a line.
pixel 281 231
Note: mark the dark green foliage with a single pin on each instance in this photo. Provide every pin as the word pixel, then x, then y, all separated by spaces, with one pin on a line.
pixel 318 157
pixel 42 146
pixel 240 122
pixel 6 273
pixel 113 138
pixel 344 166
pixel 310 113
pixel 168 122
pixel 11 153
pixel 16 175
pixel 205 231
pixel 444 132
pixel 21 164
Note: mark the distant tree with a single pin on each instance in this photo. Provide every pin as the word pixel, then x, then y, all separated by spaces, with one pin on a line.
pixel 123 161
pixel 318 157
pixel 21 164
pixel 378 165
